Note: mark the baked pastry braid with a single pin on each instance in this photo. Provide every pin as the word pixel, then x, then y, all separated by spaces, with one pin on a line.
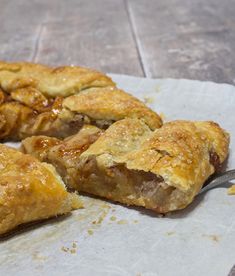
pixel 162 170
pixel 39 100
pixel 30 190
pixel 51 82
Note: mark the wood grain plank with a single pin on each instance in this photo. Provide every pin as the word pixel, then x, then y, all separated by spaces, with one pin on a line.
pixel 186 39
pixel 20 24
pixel 90 33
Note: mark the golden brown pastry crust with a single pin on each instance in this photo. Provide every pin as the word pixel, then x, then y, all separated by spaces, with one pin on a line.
pixel 111 104
pixel 31 97
pixel 50 81
pixel 161 170
pixel 39 100
pixel 30 190
pixel 179 153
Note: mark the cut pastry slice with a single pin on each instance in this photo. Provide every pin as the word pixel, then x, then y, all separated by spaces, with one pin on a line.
pixel 162 170
pixel 39 100
pixel 30 190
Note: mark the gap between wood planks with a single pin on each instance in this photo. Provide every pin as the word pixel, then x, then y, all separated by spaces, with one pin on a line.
pixel 136 39
pixel 37 42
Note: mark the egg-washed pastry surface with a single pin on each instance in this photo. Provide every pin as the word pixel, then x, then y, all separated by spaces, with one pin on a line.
pixel 108 105
pixel 162 170
pixel 39 100
pixel 30 190
pixel 50 81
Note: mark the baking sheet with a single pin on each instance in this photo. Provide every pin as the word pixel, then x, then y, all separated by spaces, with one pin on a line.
pixel 110 239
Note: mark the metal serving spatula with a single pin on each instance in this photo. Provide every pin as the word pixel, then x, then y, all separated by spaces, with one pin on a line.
pixel 218 180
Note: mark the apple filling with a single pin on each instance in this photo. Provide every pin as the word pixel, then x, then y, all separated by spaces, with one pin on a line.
pixel 123 185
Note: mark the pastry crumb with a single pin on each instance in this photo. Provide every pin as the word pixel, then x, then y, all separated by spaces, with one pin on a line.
pixel 73 251
pixel 214 238
pixel 106 206
pixel 113 218
pixel 122 221
pixel 100 218
pixel 90 232
pixel 231 190
pixel 65 249
pixel 37 256
pixel 170 233
pixel 148 100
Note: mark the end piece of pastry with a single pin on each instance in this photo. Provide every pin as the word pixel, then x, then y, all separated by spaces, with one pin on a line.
pixel 39 100
pixel 162 170
pixel 30 190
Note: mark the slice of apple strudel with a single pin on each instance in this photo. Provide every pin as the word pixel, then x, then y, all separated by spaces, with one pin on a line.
pixel 30 190
pixel 39 100
pixel 162 170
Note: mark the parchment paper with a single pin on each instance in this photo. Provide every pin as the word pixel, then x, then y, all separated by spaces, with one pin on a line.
pixel 110 239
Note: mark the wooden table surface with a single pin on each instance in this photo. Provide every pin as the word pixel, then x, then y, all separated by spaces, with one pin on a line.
pixel 192 39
